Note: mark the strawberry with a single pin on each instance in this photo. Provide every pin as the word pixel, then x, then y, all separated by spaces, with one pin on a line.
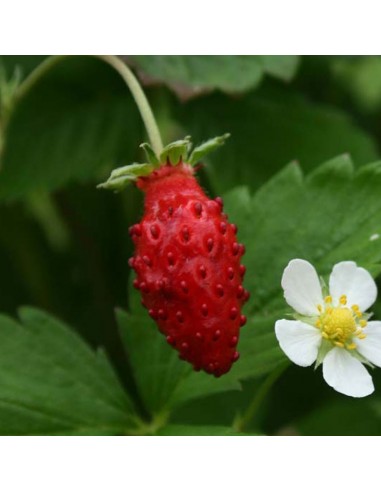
pixel 187 264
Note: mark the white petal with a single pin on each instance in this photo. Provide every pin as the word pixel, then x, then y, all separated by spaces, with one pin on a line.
pixel 346 374
pixel 370 347
pixel 299 341
pixel 353 281
pixel 301 286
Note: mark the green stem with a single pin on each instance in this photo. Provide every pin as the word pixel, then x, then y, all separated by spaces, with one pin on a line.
pixel 129 78
pixel 150 428
pixel 241 422
pixel 140 99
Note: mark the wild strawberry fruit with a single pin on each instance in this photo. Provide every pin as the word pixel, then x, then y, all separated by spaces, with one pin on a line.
pixel 187 262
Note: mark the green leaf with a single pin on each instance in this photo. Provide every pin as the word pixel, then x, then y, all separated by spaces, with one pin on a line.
pixel 343 417
pixel 260 354
pixel 165 382
pixel 75 123
pixel 268 130
pixel 280 66
pixel 196 430
pixel 191 75
pixel 52 383
pixel 155 365
pixel 332 215
pixel 360 78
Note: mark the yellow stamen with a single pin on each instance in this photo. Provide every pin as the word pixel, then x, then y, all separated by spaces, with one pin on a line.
pixel 320 309
pixel 339 344
pixel 341 325
pixel 356 310
pixel 343 300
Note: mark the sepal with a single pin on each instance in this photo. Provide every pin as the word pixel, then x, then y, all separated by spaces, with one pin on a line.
pixel 362 359
pixel 324 287
pixel 176 151
pixel 324 348
pixel 122 176
pixel 172 154
pixel 201 150
pixel 150 154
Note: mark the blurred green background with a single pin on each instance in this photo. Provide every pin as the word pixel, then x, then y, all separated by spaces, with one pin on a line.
pixel 64 244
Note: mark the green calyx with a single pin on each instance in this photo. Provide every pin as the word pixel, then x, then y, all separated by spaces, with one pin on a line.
pixel 123 176
pixel 173 153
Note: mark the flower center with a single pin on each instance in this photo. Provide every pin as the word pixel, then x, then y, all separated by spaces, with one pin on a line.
pixel 340 325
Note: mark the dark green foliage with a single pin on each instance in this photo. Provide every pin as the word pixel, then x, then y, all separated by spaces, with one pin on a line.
pixel 189 76
pixel 52 383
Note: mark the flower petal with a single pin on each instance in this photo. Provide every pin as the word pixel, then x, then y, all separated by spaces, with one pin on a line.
pixel 299 341
pixel 370 347
pixel 353 281
pixel 346 374
pixel 301 286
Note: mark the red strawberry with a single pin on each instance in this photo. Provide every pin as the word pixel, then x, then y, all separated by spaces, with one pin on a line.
pixel 187 261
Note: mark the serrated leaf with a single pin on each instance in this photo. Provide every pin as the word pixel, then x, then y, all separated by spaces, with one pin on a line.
pixel 334 214
pixel 269 129
pixel 51 382
pixel 76 123
pixel 189 76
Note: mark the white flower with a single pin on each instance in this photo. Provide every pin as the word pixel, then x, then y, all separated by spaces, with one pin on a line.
pixel 332 327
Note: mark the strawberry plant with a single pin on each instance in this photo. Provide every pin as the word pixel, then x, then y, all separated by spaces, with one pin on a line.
pixel 152 310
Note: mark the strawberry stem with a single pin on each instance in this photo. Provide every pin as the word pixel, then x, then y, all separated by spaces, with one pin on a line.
pixel 129 78
pixel 140 99
pixel 241 423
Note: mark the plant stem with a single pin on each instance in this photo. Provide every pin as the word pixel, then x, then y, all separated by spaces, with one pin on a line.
pixel 150 428
pixel 129 78
pixel 140 99
pixel 241 422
